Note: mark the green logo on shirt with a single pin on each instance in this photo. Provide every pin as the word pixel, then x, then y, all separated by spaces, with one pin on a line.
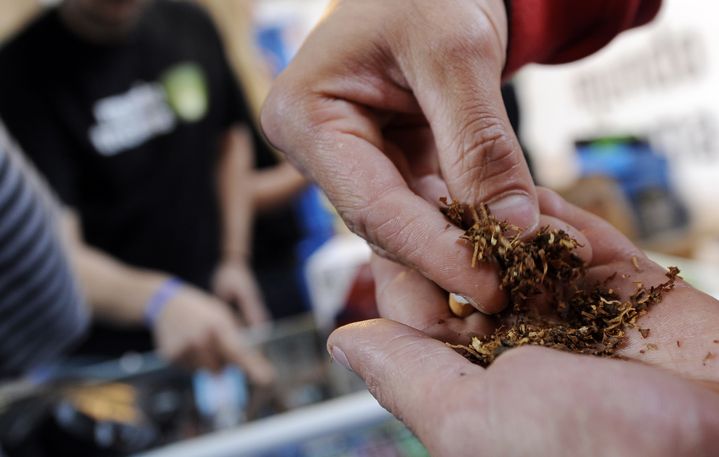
pixel 186 88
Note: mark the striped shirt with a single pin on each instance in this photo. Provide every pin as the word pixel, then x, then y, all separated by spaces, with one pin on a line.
pixel 41 312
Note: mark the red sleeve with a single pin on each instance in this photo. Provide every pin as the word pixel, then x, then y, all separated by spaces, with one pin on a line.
pixel 556 31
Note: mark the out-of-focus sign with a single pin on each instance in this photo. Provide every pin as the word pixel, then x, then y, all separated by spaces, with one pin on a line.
pixel 660 82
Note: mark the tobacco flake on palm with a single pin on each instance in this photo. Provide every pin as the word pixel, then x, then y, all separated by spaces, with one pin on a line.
pixel 579 315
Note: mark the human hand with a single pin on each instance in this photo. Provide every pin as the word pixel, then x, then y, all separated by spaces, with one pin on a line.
pixel 682 327
pixel 391 105
pixel 538 401
pixel 234 282
pixel 196 330
pixel 530 401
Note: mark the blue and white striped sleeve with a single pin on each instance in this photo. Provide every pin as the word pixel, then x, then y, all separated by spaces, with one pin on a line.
pixel 41 310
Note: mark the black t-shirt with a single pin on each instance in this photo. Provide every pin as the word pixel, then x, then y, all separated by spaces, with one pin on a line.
pixel 127 134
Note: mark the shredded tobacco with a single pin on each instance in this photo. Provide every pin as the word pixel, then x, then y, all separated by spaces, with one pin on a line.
pixel 709 356
pixel 583 317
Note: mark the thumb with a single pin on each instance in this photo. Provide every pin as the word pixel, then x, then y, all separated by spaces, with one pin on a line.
pixel 458 86
pixel 406 371
pixel 482 162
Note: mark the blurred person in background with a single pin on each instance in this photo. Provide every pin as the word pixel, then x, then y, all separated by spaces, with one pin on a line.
pixel 42 311
pixel 277 186
pixel 131 112
pixel 285 225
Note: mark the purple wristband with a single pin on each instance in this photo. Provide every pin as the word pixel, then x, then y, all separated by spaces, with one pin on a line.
pixel 159 299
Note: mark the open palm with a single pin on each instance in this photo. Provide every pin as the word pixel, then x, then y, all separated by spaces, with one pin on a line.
pixel 684 327
pixel 539 401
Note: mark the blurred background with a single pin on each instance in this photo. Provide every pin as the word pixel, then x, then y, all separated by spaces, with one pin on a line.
pixel 629 133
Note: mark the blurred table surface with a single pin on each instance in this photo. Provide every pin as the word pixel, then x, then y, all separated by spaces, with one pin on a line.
pixel 338 415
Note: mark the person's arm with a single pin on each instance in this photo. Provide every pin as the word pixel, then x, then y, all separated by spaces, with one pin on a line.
pixel 42 310
pixel 234 280
pixel 117 293
pixel 275 186
pixel 190 327
pixel 235 191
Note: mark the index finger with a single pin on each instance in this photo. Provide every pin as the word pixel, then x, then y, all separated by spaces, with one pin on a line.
pixel 320 116
pixel 375 201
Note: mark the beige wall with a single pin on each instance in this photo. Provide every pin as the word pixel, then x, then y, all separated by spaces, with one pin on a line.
pixel 659 81
pixel 234 19
pixel 14 13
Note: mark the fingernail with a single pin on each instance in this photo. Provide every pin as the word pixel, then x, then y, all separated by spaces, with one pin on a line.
pixel 339 356
pixel 517 209
pixel 461 306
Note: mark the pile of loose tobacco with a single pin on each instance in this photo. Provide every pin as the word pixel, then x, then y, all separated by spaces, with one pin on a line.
pixel 578 315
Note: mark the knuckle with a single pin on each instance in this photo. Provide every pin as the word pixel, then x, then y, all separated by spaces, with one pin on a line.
pixel 485 152
pixel 382 252
pixel 467 44
pixel 387 231
pixel 355 216
pixel 400 237
pixel 292 110
pixel 458 43
pixel 277 114
pixel 270 117
pixel 463 29
pixel 362 214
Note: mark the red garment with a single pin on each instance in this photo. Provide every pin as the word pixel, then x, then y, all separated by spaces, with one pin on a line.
pixel 556 31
